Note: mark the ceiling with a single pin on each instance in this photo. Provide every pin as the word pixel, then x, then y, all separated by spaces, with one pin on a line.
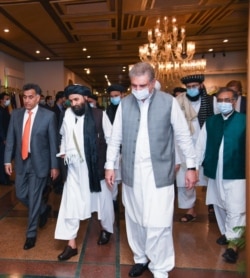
pixel 112 30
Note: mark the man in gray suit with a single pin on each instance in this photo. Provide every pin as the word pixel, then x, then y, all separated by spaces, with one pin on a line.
pixel 33 169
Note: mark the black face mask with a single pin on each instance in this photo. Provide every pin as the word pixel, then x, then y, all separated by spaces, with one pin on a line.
pixel 78 110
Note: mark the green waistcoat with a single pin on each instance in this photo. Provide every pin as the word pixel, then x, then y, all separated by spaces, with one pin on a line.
pixel 234 132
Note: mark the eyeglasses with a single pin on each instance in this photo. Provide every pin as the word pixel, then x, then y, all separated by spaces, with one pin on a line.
pixel 227 100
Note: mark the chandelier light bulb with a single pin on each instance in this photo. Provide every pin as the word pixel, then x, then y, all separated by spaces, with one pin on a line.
pixel 169 52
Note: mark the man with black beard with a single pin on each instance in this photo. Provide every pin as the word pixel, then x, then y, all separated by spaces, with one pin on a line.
pixel 85 132
pixel 196 105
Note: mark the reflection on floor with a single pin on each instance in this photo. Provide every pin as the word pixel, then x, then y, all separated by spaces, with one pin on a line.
pixel 197 254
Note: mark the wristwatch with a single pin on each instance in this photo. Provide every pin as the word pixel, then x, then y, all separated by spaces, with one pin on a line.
pixel 191 169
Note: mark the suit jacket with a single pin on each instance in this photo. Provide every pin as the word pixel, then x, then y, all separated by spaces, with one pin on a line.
pixel 243 105
pixel 58 112
pixel 43 141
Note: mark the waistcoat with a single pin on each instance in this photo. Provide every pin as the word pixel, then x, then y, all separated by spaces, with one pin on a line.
pixel 160 134
pixel 100 141
pixel 234 132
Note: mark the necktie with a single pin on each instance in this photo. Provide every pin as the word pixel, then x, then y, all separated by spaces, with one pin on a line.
pixel 26 135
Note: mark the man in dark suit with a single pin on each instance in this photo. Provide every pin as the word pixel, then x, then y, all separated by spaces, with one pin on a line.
pixel 241 104
pixel 33 168
pixel 58 107
pixel 59 110
pixel 4 123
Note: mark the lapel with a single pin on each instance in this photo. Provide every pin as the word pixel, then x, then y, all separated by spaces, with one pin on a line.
pixel 37 121
pixel 20 122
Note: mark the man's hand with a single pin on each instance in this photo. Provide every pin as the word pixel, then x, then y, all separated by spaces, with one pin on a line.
pixel 8 169
pixel 110 177
pixel 177 168
pixel 54 173
pixel 191 178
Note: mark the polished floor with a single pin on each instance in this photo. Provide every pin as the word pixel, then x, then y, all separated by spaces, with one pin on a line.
pixel 197 254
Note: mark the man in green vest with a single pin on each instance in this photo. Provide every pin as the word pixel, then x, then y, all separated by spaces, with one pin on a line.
pixel 221 150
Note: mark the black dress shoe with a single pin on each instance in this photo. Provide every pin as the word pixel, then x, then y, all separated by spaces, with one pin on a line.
pixel 44 217
pixel 230 256
pixel 67 253
pixel 137 269
pixel 104 237
pixel 29 243
pixel 222 240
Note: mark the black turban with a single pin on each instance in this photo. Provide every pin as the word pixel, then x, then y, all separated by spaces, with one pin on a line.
pixel 116 87
pixel 193 78
pixel 77 89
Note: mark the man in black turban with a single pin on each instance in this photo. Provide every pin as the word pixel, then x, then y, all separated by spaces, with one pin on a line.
pixel 83 146
pixel 197 105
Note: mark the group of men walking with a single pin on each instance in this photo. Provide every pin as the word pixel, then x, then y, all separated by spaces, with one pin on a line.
pixel 157 135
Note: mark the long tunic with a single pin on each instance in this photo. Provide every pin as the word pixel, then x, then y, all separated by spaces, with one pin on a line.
pixel 227 194
pixel 145 204
pixel 77 200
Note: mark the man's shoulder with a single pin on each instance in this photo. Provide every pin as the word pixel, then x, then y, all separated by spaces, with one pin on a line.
pixel 45 113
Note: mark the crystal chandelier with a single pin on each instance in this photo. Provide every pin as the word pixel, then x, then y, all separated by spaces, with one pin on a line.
pixel 169 53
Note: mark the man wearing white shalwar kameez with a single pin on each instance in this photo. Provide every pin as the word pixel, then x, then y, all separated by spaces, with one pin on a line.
pixel 196 105
pixel 226 184
pixel 78 200
pixel 147 196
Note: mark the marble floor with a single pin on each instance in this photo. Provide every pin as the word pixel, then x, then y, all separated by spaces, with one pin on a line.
pixel 197 254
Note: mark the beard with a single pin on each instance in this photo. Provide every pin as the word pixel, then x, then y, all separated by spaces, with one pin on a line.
pixel 78 110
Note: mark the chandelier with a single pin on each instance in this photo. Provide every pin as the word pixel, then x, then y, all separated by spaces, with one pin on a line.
pixel 169 53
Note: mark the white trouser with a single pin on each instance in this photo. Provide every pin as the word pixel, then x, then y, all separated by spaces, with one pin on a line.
pixel 115 190
pixel 101 202
pixel 186 197
pixel 228 220
pixel 151 244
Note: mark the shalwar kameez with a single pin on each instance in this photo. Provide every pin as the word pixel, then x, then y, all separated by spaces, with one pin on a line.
pixel 227 195
pixel 78 202
pixel 149 209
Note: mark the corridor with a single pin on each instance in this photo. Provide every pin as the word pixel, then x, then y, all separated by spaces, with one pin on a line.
pixel 197 254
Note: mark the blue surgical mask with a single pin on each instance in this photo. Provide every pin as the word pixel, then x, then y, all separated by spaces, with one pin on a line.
pixel 115 100
pixel 225 107
pixel 141 94
pixel 193 92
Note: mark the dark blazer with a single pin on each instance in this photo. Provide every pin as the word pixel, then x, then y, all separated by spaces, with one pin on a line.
pixel 58 112
pixel 43 144
pixel 243 105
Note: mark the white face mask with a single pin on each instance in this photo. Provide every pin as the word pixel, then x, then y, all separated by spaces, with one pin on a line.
pixel 141 94
pixel 6 103
pixel 225 107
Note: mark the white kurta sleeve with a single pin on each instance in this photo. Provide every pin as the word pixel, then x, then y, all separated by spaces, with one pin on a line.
pixel 200 146
pixel 182 134
pixel 114 143
pixel 107 127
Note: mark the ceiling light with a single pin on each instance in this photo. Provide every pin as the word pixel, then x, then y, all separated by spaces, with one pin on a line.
pixel 226 40
pixel 84 49
pixel 169 53
pixel 6 30
pixel 47 58
pixel 88 57
pixel 210 50
pixel 87 70
pixel 37 51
